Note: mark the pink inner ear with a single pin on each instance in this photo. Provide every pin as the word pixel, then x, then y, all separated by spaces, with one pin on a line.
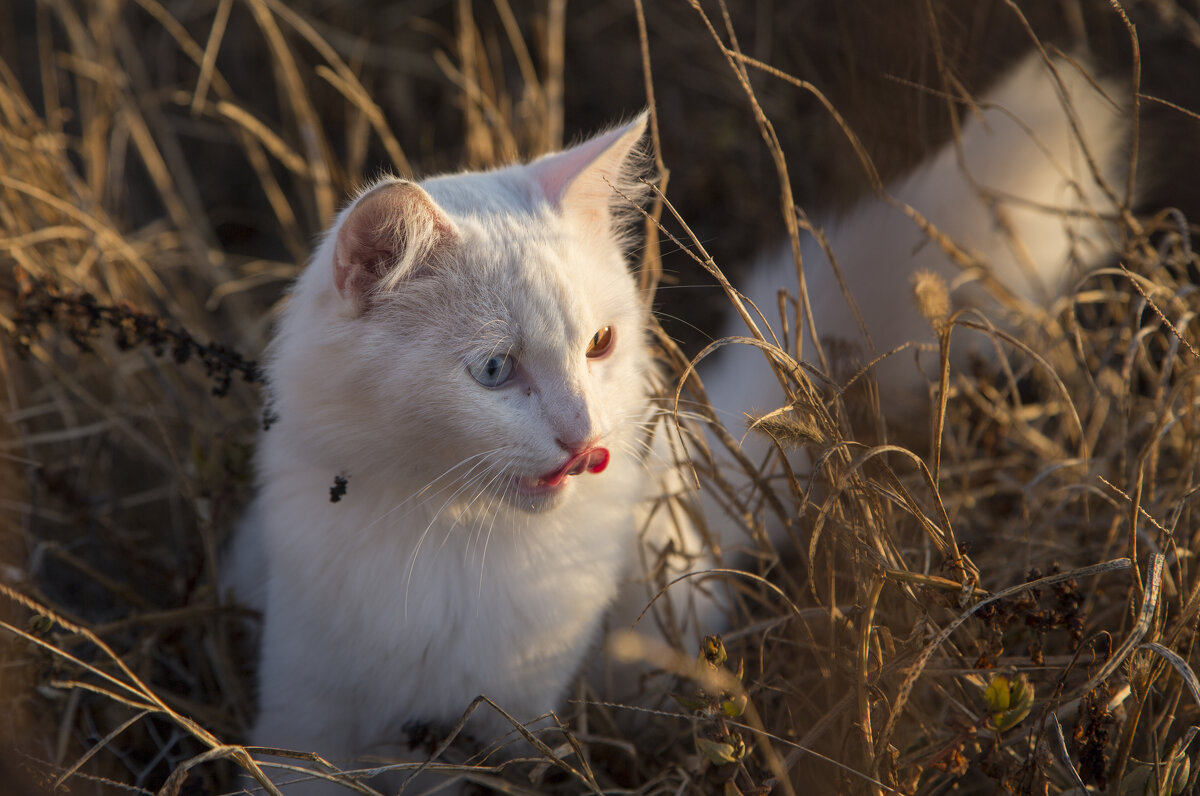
pixel 388 233
pixel 555 172
pixel 593 162
pixel 365 244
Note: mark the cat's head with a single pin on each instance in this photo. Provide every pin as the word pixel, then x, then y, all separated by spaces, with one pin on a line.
pixel 480 333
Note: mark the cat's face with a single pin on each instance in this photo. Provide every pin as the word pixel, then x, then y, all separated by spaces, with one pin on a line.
pixel 489 343
pixel 539 364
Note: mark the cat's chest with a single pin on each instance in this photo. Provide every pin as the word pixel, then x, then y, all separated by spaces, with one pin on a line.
pixel 533 576
pixel 503 605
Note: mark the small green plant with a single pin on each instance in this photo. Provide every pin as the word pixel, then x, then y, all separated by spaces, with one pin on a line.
pixel 721 745
pixel 1008 699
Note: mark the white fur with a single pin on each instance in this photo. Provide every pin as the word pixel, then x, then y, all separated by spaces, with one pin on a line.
pixel 1022 201
pixel 431 582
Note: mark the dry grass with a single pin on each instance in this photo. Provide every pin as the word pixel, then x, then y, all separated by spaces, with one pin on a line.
pixel 163 171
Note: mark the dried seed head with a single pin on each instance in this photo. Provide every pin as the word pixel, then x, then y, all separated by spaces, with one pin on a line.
pixel 932 296
pixel 790 428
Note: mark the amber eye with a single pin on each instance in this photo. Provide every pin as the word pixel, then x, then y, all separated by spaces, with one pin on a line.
pixel 601 343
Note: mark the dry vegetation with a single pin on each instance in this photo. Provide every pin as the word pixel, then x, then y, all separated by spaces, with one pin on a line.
pixel 1007 603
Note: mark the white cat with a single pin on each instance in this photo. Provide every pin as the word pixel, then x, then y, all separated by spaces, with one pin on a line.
pixel 470 354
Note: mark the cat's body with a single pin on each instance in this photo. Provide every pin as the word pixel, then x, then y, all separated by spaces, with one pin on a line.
pixel 1017 193
pixel 465 557
pixel 455 564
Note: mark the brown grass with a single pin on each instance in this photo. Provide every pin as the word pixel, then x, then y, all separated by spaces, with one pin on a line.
pixel 175 169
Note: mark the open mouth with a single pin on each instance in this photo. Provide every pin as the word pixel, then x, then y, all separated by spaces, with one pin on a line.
pixel 592 460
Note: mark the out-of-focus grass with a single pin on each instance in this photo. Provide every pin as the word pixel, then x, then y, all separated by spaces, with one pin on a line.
pixel 178 161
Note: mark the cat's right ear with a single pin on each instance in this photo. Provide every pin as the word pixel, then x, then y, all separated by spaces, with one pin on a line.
pixel 388 235
pixel 588 179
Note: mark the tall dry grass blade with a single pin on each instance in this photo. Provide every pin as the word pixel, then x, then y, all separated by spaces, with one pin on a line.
pixel 348 83
pixel 556 24
pixel 787 203
pixel 215 34
pixel 1123 204
pixel 650 273
pixel 311 134
pixel 1180 665
pixel 294 238
pixel 1145 617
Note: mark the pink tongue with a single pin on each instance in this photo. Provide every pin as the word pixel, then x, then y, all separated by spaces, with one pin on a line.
pixel 592 460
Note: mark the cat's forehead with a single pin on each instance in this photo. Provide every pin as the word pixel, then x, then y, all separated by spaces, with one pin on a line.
pixel 535 293
pixel 554 289
pixel 525 262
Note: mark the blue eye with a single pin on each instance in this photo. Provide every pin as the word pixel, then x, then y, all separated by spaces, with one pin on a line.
pixel 493 371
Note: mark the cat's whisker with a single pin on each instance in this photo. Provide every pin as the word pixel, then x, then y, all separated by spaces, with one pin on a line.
pixel 658 421
pixel 482 515
pixel 635 444
pixel 642 451
pixel 462 488
pixel 684 404
pixel 705 334
pixel 421 492
pixel 672 248
pixel 488 474
pixel 459 486
pixel 480 455
pixel 689 285
pixel 628 448
pixel 501 501
pixel 669 415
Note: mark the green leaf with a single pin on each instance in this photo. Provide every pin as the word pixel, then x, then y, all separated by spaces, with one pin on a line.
pixel 1009 700
pixel 997 694
pixel 40 625
pixel 719 753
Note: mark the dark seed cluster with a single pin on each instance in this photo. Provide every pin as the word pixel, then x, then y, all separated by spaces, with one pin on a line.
pixel 1092 734
pixel 1029 609
pixel 82 317
pixel 338 490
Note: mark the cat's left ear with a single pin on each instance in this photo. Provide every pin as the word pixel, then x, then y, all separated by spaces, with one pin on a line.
pixel 390 233
pixel 585 179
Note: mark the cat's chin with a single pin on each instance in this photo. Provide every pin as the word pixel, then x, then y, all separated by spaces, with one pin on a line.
pixel 535 495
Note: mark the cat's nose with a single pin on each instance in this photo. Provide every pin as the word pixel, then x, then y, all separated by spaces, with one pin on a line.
pixel 573 445
pixel 571 422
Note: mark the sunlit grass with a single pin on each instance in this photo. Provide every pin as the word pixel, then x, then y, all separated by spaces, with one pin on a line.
pixel 1039 530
